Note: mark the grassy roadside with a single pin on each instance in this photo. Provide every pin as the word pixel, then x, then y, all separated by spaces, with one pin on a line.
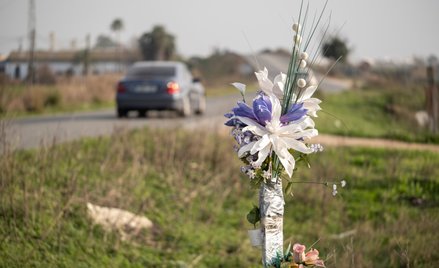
pixel 190 186
pixel 375 113
pixel 66 95
pixel 87 94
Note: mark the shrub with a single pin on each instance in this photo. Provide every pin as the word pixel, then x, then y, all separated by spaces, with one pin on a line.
pixel 33 100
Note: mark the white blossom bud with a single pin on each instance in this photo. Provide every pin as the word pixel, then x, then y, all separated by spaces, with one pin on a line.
pixel 343 183
pixel 297 39
pixel 297 27
pixel 302 64
pixel 301 83
pixel 304 55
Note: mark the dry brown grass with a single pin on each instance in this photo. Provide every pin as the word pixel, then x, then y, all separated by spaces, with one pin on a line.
pixel 67 93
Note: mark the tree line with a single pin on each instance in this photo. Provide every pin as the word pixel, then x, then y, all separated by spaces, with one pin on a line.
pixel 160 45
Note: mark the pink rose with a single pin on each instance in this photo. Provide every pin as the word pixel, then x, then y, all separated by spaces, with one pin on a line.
pixel 311 256
pixel 298 253
pixel 302 259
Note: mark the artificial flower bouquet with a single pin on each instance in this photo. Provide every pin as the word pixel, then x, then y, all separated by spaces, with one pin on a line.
pixel 272 133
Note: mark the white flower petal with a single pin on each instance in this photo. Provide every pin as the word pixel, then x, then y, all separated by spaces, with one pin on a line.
pixel 307 123
pixel 262 155
pixel 264 83
pixel 295 126
pixel 309 133
pixel 260 144
pixel 252 126
pixel 284 156
pixel 241 87
pixel 297 145
pixel 305 134
pixel 279 84
pixel 308 93
pixel 245 148
pixel 312 105
pixel 276 109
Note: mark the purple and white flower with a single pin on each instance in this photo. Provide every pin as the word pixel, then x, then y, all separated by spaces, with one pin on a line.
pixel 275 132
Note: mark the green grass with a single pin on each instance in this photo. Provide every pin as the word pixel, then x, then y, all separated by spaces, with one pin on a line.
pixel 230 90
pixel 377 113
pixel 190 186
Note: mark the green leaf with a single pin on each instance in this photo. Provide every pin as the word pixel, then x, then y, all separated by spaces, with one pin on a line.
pixel 254 216
pixel 289 187
pixel 287 252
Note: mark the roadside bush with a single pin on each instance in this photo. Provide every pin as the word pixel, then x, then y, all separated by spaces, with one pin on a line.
pixel 53 98
pixel 34 100
pixel 45 75
pixel 67 94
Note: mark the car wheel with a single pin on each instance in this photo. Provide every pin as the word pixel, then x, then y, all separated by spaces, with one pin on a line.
pixel 186 109
pixel 201 107
pixel 142 113
pixel 121 113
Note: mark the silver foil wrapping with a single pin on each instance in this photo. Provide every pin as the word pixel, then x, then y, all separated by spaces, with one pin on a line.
pixel 271 205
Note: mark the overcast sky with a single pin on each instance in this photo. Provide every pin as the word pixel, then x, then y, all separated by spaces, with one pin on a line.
pixel 374 28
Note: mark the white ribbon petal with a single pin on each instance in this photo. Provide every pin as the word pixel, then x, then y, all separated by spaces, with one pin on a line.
pixel 279 84
pixel 262 155
pixel 245 148
pixel 306 134
pixel 260 144
pixel 252 126
pixel 264 83
pixel 312 105
pixel 308 92
pixel 293 126
pixel 297 145
pixel 287 160
pixel 276 109
pixel 241 87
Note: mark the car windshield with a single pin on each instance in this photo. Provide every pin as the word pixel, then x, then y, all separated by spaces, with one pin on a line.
pixel 151 72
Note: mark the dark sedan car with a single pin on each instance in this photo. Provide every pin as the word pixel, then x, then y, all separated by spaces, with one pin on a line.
pixel 155 85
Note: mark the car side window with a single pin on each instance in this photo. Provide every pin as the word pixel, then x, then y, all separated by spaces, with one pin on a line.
pixel 186 75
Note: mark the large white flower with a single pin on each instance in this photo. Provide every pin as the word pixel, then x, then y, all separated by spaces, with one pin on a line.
pixel 278 137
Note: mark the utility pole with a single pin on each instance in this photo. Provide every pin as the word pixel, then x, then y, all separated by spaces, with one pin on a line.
pixel 86 67
pixel 32 35
pixel 432 99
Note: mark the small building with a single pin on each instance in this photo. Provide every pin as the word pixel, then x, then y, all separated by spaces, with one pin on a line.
pixel 69 62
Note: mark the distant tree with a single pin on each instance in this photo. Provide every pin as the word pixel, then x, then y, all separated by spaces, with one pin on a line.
pixel 157 44
pixel 104 41
pixel 117 26
pixel 335 48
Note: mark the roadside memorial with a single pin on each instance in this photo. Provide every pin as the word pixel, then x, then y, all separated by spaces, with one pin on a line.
pixel 273 133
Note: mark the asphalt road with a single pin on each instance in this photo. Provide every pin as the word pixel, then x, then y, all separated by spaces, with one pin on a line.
pixel 38 131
